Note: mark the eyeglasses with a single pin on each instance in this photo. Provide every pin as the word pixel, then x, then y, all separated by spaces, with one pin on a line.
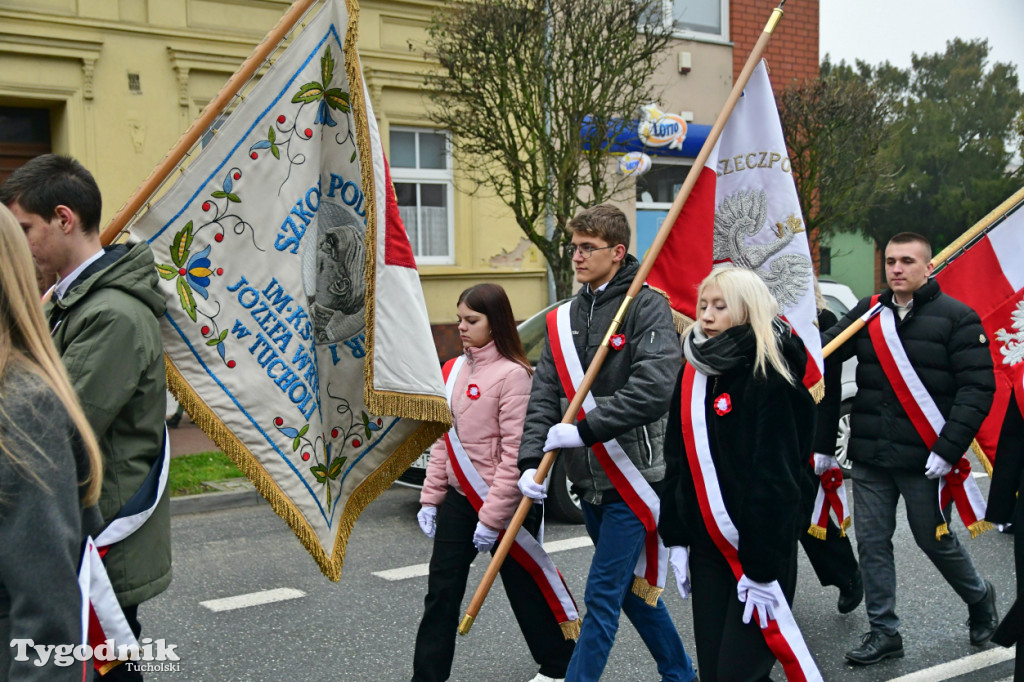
pixel 586 250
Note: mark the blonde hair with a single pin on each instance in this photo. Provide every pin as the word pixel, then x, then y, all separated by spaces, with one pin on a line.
pixel 25 342
pixel 750 302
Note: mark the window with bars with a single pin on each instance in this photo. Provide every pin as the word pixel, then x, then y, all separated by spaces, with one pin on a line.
pixel 421 171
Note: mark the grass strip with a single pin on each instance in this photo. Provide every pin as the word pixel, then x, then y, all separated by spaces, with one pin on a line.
pixel 188 472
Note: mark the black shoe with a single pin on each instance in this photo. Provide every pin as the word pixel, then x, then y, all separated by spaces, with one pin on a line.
pixel 851 595
pixel 984 619
pixel 876 646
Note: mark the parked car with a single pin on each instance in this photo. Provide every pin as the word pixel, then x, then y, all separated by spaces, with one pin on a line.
pixel 840 299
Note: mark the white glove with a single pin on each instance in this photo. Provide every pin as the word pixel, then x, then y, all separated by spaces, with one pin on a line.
pixel 936 467
pixel 484 537
pixel 1003 527
pixel 530 488
pixel 427 517
pixel 823 463
pixel 563 436
pixel 679 557
pixel 758 596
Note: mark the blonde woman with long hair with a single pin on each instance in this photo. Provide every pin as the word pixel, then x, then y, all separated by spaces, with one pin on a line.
pixel 50 475
pixel 739 433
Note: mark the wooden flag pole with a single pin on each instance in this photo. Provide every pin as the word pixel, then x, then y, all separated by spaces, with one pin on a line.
pixel 602 352
pixel 213 109
pixel 960 244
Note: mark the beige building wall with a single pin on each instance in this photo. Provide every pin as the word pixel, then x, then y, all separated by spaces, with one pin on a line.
pixel 123 79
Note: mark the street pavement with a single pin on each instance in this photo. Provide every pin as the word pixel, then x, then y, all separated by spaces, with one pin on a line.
pixel 363 627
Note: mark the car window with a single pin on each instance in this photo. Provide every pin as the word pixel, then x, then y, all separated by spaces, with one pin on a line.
pixel 532 333
pixel 836 306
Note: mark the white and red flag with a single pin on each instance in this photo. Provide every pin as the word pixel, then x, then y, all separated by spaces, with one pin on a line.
pixel 989 277
pixel 744 211
pixel 296 330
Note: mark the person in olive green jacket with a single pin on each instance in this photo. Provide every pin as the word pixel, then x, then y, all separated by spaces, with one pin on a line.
pixel 103 317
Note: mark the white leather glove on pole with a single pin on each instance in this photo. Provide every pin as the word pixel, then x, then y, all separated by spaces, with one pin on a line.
pixel 484 537
pixel 530 488
pixel 936 467
pixel 563 436
pixel 758 596
pixel 823 463
pixel 427 517
pixel 679 557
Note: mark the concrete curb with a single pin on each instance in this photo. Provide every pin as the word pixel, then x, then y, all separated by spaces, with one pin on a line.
pixel 207 502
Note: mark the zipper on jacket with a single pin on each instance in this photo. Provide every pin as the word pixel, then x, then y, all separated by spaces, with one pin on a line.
pixel 647 441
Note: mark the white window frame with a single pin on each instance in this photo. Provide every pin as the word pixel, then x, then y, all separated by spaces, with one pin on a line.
pixel 687 34
pixel 432 176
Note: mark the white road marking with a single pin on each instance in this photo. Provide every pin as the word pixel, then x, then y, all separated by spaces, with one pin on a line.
pixel 252 599
pixel 960 666
pixel 420 570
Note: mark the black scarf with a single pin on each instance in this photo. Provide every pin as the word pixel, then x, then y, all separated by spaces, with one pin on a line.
pixel 720 353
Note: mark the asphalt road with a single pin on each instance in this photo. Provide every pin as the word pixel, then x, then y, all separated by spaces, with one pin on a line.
pixel 363 627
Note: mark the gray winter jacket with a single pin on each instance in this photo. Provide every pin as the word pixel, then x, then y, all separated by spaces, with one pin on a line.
pixel 632 390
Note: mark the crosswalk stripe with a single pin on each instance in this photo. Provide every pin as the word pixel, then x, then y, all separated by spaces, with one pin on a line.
pixel 420 570
pixel 960 666
pixel 242 601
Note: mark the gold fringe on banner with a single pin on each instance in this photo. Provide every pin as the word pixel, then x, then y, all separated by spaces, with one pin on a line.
pixel 982 457
pixel 368 490
pixel 844 526
pixel 571 629
pixel 646 591
pixel 818 390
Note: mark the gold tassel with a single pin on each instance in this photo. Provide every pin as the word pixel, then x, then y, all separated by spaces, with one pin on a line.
pixel 979 527
pixel 818 390
pixel 646 591
pixel 843 526
pixel 817 531
pixel 942 529
pixel 571 629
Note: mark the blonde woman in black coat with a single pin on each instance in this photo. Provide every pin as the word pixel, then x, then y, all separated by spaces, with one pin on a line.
pixel 739 434
pixel 50 474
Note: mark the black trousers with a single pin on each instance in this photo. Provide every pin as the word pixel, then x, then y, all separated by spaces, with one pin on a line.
pixel 446 586
pixel 832 559
pixel 122 672
pixel 728 650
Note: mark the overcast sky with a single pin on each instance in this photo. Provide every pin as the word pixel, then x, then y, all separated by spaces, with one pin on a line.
pixel 880 30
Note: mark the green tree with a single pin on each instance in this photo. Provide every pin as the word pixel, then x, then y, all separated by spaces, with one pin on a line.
pixel 953 119
pixel 835 127
pixel 531 89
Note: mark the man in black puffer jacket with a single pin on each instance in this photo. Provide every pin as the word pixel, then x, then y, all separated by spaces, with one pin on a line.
pixel 946 346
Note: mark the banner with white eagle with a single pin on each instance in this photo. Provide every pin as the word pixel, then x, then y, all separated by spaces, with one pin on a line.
pixel 296 332
pixel 744 211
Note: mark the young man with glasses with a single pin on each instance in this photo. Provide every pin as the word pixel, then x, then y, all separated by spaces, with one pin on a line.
pixel 613 455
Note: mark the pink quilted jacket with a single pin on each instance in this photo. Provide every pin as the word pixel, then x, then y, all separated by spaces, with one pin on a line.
pixel 490 428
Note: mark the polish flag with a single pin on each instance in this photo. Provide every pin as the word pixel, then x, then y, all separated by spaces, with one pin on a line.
pixel 989 277
pixel 744 211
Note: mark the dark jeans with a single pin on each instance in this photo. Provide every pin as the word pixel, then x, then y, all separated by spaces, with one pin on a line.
pixel 618 537
pixel 449 569
pixel 728 649
pixel 876 491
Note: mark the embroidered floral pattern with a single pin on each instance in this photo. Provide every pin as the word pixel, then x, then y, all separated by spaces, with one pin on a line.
pixel 472 391
pixel 723 405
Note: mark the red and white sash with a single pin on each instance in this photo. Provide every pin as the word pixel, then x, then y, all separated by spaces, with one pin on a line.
pixel 527 550
pixel 831 497
pixel 781 634
pixel 102 617
pixel 958 485
pixel 636 492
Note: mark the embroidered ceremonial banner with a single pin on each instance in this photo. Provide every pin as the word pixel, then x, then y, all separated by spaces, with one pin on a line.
pixel 744 211
pixel 989 277
pixel 296 330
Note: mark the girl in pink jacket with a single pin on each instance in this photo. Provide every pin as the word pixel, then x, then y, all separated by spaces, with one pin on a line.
pixel 489 392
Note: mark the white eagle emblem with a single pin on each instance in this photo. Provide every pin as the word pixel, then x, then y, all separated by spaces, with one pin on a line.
pixel 744 214
pixel 1013 343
